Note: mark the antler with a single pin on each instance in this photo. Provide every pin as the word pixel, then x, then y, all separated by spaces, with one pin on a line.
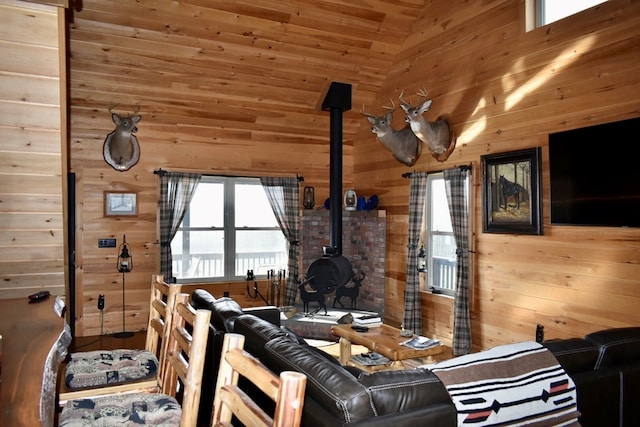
pixel 423 93
pixel 402 101
pixel 393 106
pixel 366 114
pixel 112 106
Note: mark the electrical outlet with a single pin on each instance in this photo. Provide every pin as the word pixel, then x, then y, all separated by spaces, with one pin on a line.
pixel 101 302
pixel 106 243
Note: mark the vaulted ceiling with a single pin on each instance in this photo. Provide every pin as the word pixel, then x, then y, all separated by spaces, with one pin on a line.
pixel 258 66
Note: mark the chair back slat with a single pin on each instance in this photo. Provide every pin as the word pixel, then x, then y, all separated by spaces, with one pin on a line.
pixel 185 355
pixel 160 314
pixel 286 390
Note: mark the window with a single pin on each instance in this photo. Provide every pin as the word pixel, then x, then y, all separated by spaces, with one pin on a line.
pixel 544 12
pixel 228 229
pixel 439 243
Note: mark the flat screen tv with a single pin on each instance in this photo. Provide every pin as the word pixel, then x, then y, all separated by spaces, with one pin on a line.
pixel 595 175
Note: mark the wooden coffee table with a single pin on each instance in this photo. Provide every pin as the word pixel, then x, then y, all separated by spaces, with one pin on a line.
pixel 383 339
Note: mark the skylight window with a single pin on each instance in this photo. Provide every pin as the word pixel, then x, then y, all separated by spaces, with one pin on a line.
pixel 544 12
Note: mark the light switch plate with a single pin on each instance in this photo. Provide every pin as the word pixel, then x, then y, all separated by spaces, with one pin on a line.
pixel 106 243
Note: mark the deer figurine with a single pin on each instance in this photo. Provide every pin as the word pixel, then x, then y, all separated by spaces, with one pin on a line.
pixel 121 149
pixel 403 144
pixel 349 291
pixel 438 135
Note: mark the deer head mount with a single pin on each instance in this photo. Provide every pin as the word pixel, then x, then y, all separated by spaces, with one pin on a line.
pixel 121 149
pixel 403 144
pixel 438 135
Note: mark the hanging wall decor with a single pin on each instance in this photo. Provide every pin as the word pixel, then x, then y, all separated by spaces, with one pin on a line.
pixel 121 149
pixel 119 203
pixel 402 143
pixel 511 201
pixel 437 135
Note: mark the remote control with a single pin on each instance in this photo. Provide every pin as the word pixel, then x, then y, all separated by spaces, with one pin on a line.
pixel 360 328
pixel 39 296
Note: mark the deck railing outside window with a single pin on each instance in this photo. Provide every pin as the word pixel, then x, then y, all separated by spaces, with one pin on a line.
pixel 193 266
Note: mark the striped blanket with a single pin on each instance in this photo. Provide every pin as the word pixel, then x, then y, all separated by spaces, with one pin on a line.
pixel 510 385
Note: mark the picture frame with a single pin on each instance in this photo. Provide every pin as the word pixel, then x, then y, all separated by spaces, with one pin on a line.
pixel 120 203
pixel 512 198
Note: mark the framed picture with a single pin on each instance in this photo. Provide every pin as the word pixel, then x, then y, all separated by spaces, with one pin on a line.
pixel 511 201
pixel 120 203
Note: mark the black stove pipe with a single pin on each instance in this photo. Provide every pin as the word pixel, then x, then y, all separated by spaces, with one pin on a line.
pixel 335 183
pixel 337 100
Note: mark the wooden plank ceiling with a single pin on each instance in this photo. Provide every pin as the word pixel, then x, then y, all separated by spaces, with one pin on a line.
pixel 258 67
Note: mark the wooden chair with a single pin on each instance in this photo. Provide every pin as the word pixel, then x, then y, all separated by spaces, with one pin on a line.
pixel 286 390
pixel 145 368
pixel 185 355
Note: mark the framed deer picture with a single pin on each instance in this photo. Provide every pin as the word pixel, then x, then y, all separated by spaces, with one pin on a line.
pixel 511 201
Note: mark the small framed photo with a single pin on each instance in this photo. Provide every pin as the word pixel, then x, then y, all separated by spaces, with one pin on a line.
pixel 120 203
pixel 511 201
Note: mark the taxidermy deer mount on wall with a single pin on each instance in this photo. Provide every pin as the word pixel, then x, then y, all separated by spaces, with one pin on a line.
pixel 403 144
pixel 121 149
pixel 438 135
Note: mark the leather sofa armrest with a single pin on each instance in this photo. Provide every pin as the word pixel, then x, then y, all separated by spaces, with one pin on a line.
pixel 404 390
pixel 269 313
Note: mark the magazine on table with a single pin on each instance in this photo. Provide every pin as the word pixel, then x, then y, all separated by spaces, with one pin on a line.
pixel 371 359
pixel 421 343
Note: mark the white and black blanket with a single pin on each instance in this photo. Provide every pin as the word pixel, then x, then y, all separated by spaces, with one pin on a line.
pixel 509 385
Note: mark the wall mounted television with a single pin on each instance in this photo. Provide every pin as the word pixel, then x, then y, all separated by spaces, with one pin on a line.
pixel 594 177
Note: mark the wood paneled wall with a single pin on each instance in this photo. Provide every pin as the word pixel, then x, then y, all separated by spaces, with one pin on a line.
pixel 32 153
pixel 223 88
pixel 235 89
pixel 505 89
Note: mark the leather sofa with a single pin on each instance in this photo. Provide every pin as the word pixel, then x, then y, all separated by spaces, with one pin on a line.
pixel 335 395
pixel 223 314
pixel 605 367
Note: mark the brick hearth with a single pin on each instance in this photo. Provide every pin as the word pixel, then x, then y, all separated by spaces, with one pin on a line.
pixel 363 244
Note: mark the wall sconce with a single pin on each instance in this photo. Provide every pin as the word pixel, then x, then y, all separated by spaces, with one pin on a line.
pixel 124 265
pixel 422 260
pixel 309 198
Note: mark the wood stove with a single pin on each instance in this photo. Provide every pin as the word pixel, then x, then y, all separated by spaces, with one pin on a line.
pixel 333 270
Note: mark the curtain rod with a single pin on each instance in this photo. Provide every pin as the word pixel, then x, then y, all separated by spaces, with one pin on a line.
pixel 462 167
pixel 162 172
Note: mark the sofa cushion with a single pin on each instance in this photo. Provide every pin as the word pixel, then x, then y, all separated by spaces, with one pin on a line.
pixel 574 354
pixel 224 312
pixel 329 384
pixel 202 299
pixel 617 346
pixel 257 333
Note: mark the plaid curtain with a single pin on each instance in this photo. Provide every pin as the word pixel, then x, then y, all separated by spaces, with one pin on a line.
pixel 457 198
pixel 176 191
pixel 412 309
pixel 284 196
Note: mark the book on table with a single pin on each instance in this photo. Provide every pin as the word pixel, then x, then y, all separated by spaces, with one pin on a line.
pixel 421 343
pixel 367 325
pixel 367 320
